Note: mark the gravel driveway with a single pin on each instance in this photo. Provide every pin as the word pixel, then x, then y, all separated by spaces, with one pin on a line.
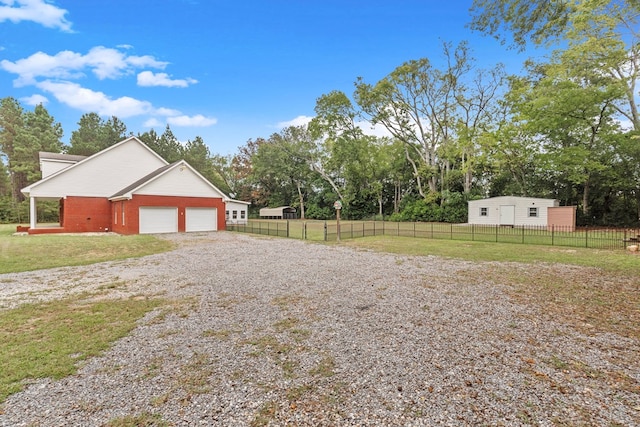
pixel 268 331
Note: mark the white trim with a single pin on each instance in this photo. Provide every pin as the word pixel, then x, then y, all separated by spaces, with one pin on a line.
pixel 33 213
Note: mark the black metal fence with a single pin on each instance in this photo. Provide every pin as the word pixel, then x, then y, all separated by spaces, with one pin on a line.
pixel 586 237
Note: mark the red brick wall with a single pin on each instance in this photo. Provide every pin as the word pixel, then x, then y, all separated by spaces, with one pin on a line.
pixel 85 214
pixel 132 209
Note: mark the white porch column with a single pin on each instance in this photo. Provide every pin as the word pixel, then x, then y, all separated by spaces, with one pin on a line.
pixel 33 215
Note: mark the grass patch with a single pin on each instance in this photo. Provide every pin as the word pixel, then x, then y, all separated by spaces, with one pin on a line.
pixel 142 420
pixel 265 415
pixel 326 367
pixel 194 377
pixel 615 261
pixel 25 253
pixel 47 340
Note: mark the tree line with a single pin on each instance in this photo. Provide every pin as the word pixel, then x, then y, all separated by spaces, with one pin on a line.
pixel 568 128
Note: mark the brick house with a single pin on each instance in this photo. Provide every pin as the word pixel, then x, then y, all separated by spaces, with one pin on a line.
pixel 128 189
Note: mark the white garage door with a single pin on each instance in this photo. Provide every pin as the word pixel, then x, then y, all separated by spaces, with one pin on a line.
pixel 158 220
pixel 201 219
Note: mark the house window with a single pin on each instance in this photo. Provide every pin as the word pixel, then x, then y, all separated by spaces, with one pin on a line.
pixel 533 212
pixel 242 213
pixel 122 207
pixel 235 214
pixel 484 211
pixel 227 215
pixel 115 214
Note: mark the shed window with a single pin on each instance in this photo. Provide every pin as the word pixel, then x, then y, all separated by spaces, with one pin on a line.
pixel 533 212
pixel 242 214
pixel 484 211
pixel 235 214
pixel 226 214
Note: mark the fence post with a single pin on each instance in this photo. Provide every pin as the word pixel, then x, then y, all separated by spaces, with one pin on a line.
pixel 586 237
pixel 473 234
pixel 414 229
pixel 553 230
pixel 325 231
pixel 398 232
pixel 451 231
pixel 523 234
pixel 497 232
pixel 362 228
pixel 287 228
pixel 431 229
pixel 304 230
pixel 352 230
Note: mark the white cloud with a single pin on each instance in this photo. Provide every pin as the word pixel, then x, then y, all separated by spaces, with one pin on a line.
pixel 182 120
pixel 197 120
pixel 298 121
pixel 38 11
pixel 103 62
pixel 162 111
pixel 73 95
pixel 153 123
pixel 148 78
pixel 377 130
pixel 36 99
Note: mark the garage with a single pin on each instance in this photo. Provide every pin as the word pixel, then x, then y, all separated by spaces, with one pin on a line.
pixel 201 219
pixel 158 220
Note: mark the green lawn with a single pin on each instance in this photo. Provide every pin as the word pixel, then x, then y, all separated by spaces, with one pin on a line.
pixel 25 253
pixel 48 340
pixel 614 261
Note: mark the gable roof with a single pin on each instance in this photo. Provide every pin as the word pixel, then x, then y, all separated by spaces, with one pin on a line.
pixel 142 181
pixel 84 160
pixel 127 192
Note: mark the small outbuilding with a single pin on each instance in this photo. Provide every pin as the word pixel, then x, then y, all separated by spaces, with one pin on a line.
pixel 282 212
pixel 237 212
pixel 522 212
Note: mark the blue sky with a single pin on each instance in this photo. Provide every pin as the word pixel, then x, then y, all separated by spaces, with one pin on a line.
pixel 227 71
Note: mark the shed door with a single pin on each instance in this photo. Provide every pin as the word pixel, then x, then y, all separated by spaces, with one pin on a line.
pixel 201 219
pixel 158 220
pixel 507 215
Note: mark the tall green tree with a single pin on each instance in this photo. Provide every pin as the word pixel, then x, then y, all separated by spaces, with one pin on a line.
pixel 94 134
pixel 350 161
pixel 23 134
pixel 419 105
pixel 601 35
pixel 40 133
pixel 11 127
pixel 281 165
pixel 198 155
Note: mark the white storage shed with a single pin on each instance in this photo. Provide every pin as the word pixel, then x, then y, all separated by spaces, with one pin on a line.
pixel 511 211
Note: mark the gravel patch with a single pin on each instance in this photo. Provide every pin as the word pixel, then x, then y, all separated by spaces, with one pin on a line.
pixel 282 332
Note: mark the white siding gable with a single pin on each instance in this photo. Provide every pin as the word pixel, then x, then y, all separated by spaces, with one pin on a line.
pixel 182 181
pixel 102 174
pixel 49 167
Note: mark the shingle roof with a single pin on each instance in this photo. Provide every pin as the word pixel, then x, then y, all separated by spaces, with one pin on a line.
pixel 59 156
